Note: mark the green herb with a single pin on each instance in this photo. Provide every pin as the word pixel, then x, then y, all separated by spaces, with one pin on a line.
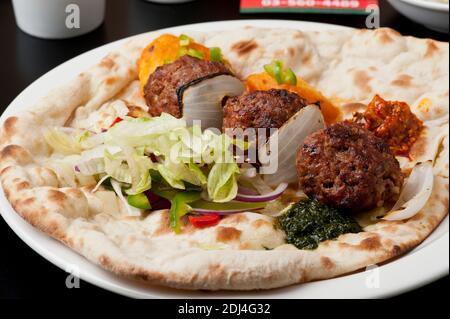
pixel 179 208
pixel 276 70
pixel 139 201
pixel 215 54
pixel 309 222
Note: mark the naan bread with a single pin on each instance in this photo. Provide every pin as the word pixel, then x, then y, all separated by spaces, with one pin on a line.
pixel 348 66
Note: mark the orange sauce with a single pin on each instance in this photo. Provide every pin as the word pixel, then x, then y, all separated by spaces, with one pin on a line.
pixel 165 49
pixel 263 82
pixel 395 123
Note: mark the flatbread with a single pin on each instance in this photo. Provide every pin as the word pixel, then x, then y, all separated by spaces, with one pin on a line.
pixel 349 66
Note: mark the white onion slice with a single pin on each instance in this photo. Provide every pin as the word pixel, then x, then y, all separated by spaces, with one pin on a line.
pixel 415 193
pixel 262 198
pixel 100 182
pixel 248 170
pixel 257 183
pixel 247 191
pixel 132 211
pixel 438 122
pixel 202 100
pixel 290 137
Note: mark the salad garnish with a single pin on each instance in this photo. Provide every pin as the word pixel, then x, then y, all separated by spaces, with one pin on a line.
pixel 157 163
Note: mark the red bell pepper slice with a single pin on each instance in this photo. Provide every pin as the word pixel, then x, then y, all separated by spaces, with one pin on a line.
pixel 117 120
pixel 203 221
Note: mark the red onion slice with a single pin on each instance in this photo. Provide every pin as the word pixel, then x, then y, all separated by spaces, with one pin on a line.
pixel 263 198
pixel 223 212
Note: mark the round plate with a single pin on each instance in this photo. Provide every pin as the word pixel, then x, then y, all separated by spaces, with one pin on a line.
pixel 434 15
pixel 426 263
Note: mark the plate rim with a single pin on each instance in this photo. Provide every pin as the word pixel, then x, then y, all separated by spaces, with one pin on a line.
pixel 428 5
pixel 120 285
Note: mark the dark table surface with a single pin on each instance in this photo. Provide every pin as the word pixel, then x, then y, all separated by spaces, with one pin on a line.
pixel 23 273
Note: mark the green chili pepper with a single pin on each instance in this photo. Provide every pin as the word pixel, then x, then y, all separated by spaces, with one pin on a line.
pixel 215 54
pixel 180 208
pixel 276 71
pixel 183 51
pixel 185 40
pixel 195 54
pixel 290 77
pixel 168 194
pixel 234 205
pixel 139 201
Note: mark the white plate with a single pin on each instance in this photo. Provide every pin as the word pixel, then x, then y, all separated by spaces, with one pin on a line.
pixel 433 15
pixel 426 263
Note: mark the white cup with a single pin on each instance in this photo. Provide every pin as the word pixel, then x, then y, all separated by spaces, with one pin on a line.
pixel 58 19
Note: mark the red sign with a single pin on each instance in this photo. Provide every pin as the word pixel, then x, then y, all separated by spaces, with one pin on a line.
pixel 313 6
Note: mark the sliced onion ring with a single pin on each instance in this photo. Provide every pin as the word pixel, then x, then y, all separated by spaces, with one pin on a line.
pixel 202 98
pixel 289 138
pixel 263 198
pixel 415 194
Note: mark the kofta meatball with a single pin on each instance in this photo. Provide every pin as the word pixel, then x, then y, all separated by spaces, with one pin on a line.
pixel 160 92
pixel 261 109
pixel 346 166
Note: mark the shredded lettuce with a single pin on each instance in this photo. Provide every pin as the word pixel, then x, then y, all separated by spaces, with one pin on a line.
pixel 132 151
pixel 62 141
pixel 120 108
pixel 170 177
pixel 222 184
pixel 139 132
pixel 139 167
pixel 131 211
pixel 92 162
pixel 67 174
pixel 115 167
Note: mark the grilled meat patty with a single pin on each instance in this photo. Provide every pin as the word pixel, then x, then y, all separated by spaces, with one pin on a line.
pixel 160 92
pixel 346 166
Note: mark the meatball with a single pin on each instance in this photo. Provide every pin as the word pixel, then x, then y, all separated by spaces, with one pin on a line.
pixel 160 92
pixel 261 109
pixel 346 166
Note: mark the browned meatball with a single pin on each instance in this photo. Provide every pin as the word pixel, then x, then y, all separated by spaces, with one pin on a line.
pixel 348 167
pixel 261 109
pixel 160 92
